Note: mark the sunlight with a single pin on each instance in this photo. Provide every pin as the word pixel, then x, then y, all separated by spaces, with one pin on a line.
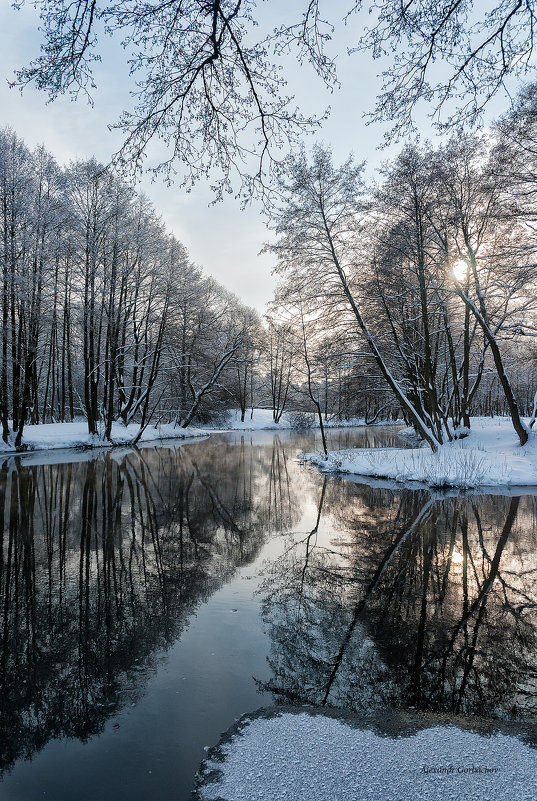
pixel 460 270
pixel 457 558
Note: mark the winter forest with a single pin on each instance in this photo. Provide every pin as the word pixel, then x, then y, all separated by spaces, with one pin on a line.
pixel 268 400
pixel 415 297
pixel 104 314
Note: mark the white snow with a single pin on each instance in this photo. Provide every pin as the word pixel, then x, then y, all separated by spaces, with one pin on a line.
pixel 316 758
pixel 262 420
pixel 489 456
pixel 47 436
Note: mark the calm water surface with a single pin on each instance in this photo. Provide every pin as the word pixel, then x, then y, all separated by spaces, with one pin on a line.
pixel 150 598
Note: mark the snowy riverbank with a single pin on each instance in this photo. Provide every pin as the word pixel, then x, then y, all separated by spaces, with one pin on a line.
pixel 49 436
pixel 489 456
pixel 262 420
pixel 313 757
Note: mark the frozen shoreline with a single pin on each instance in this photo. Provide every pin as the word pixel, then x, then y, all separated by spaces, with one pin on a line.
pixel 263 421
pixel 59 436
pixel 490 456
pixel 56 436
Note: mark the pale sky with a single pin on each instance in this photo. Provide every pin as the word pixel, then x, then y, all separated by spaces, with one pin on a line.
pixel 221 238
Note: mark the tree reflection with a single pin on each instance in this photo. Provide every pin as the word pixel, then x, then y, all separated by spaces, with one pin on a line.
pixel 101 566
pixel 425 602
pixel 390 599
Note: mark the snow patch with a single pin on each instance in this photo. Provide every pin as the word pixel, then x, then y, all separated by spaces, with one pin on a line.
pixel 262 420
pixel 490 455
pixel 316 758
pixel 49 436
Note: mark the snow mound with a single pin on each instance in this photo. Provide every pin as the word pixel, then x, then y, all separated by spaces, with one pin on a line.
pixel 489 456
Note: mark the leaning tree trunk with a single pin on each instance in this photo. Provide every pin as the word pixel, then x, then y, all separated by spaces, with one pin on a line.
pixel 405 403
pixel 481 317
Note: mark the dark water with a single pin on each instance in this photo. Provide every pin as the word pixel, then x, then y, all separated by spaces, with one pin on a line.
pixel 149 598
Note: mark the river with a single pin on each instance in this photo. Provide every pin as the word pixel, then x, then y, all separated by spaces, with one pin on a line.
pixel 149 598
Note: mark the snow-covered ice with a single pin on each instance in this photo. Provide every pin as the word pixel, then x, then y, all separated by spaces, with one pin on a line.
pixel 307 757
pixel 489 456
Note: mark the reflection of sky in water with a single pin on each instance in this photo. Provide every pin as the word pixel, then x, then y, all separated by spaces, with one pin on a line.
pixel 145 627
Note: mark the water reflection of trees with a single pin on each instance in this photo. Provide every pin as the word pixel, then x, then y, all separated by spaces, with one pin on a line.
pixel 103 561
pixel 422 602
